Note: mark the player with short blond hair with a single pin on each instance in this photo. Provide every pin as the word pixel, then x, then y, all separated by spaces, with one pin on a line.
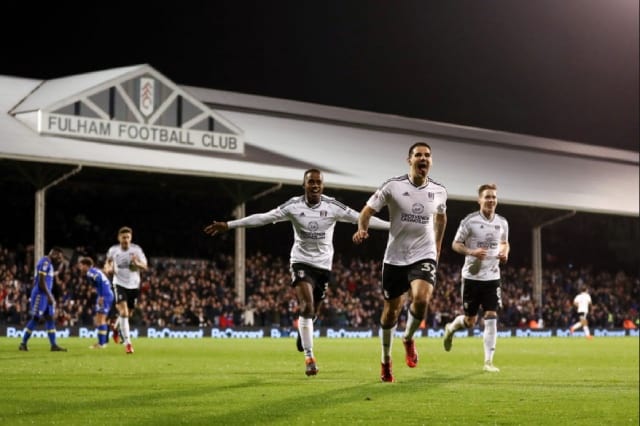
pixel 483 238
pixel 104 298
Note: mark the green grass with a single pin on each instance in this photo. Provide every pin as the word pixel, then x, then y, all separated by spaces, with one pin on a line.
pixel 556 381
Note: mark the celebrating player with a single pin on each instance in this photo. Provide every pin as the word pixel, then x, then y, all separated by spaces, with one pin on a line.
pixel 417 212
pixel 483 238
pixel 313 217
pixel 125 260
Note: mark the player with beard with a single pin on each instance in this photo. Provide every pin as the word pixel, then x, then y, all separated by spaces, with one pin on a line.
pixel 313 217
pixel 125 260
pixel 42 304
pixel 417 212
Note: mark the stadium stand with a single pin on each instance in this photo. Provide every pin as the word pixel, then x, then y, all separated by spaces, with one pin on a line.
pixel 181 293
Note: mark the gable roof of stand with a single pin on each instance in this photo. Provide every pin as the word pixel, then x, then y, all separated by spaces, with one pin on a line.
pixel 357 150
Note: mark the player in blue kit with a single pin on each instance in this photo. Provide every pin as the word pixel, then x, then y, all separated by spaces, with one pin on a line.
pixel 42 304
pixel 104 299
pixel 313 217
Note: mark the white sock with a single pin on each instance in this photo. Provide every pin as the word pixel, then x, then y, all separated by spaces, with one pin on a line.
pixel 124 328
pixel 305 328
pixel 412 325
pixel 386 338
pixel 586 331
pixel 458 323
pixel 489 339
pixel 576 326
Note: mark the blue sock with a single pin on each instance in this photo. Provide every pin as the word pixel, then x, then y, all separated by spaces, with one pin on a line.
pixel 51 331
pixel 28 329
pixel 102 334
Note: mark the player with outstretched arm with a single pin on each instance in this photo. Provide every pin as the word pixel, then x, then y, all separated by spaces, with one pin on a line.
pixel 313 217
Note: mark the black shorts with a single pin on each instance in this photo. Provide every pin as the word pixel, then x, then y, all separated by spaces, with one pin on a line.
pixel 318 278
pixel 480 293
pixel 396 280
pixel 129 295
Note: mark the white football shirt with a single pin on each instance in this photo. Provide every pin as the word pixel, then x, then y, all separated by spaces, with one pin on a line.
pixel 582 301
pixel 125 274
pixel 411 212
pixel 312 227
pixel 476 231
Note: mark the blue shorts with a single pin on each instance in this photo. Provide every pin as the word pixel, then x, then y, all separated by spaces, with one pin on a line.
pixel 105 307
pixel 39 305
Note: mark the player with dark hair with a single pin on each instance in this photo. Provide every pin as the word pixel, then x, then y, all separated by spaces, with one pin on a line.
pixel 313 217
pixel 417 211
pixel 104 298
pixel 483 238
pixel 42 304
pixel 582 302
pixel 125 260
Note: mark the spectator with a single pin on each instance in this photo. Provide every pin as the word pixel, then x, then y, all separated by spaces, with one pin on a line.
pixel 615 297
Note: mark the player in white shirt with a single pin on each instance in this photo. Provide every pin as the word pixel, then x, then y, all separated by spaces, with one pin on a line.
pixel 125 260
pixel 417 211
pixel 313 217
pixel 583 304
pixel 483 238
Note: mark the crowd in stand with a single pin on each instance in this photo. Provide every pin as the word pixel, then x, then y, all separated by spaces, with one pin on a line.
pixel 179 293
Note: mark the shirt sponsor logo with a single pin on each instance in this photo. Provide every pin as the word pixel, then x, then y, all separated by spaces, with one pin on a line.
pixel 416 218
pixel 489 245
pixel 312 235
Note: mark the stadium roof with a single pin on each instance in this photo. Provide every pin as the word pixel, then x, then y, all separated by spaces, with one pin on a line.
pixel 134 118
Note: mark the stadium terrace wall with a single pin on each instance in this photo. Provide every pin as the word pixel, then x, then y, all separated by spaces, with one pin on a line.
pixel 289 333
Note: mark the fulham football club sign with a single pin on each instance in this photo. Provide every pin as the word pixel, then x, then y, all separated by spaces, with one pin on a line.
pixel 144 108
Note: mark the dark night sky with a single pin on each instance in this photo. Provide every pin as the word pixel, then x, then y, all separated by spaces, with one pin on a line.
pixel 565 69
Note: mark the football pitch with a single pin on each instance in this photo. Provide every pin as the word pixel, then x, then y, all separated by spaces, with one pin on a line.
pixel 555 381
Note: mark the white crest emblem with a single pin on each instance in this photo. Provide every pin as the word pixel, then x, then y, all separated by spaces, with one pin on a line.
pixel 147 95
pixel 417 208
